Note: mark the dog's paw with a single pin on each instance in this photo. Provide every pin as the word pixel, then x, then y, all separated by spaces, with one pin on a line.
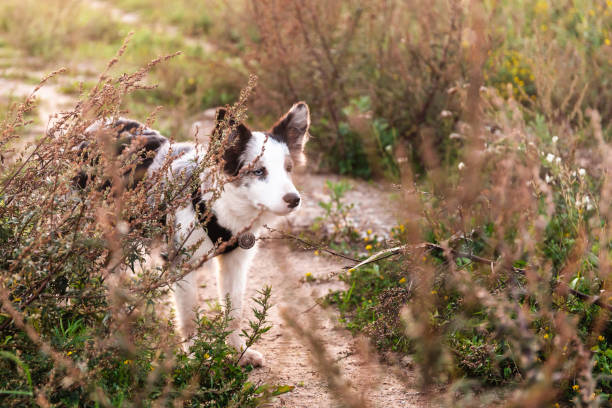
pixel 252 357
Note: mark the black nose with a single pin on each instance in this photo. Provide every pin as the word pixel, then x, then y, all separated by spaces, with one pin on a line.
pixel 292 199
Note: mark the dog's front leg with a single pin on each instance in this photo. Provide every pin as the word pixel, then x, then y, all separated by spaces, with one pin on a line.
pixel 232 278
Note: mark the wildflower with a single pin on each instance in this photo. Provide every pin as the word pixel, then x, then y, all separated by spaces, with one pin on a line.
pixel 369 232
pixel 308 274
pixel 600 338
pixel 69 353
pixel 403 280
pixel 126 362
pixel 152 368
pixel 558 160
pixel 316 252
pixel 582 172
pixel 546 336
pixel 607 41
pixel 576 387
pixel 445 297
pixel 434 292
pixel 550 157
pixel 557 405
pixel 366 239
pixel 555 139
pixel 541 7
pixel 123 227
pixel 548 179
pixel 424 258
pixel 206 356
pixel 368 247
pixel 461 166
pixel 401 227
pixel 351 270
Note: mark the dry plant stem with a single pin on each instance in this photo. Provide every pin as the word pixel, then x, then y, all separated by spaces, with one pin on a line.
pixel 284 234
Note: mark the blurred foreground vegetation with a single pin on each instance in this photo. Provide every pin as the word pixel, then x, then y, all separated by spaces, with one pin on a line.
pixel 493 118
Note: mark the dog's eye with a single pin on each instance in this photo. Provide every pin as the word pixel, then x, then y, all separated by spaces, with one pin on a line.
pixel 260 172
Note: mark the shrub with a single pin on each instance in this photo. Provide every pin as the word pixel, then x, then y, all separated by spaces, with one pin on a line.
pixel 83 322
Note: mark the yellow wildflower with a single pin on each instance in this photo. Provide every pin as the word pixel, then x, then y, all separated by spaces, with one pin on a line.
pixel 368 247
pixel 206 356
pixel 402 228
pixel 576 387
pixel 351 270
pixel 557 405
pixel 546 336
pixel 69 353
pixel 369 232
pixel 434 292
pixel 600 338
pixel 308 274
pixel 403 280
pixel 316 252
pixel 607 41
pixel 541 7
pixel 126 362
pixel 366 239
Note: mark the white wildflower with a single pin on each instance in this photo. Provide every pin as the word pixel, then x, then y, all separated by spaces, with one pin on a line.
pixel 461 166
pixel 582 172
pixel 555 139
pixel 558 160
pixel 445 113
pixel 123 227
pixel 550 157
pixel 548 179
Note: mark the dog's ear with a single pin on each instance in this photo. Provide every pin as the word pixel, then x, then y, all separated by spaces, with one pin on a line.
pixel 292 129
pixel 237 142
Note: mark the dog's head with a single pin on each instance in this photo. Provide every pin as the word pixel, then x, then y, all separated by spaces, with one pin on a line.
pixel 263 161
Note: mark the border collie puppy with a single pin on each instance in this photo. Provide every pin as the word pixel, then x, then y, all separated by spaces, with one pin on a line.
pixel 260 189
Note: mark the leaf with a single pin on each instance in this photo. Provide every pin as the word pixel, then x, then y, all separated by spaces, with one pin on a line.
pixel 25 369
pixel 282 389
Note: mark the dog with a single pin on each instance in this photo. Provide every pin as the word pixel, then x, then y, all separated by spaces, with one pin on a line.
pixel 258 167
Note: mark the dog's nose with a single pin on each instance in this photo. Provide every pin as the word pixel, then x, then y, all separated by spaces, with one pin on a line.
pixel 292 199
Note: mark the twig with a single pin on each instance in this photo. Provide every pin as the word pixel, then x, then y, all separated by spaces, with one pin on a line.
pixel 310 244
